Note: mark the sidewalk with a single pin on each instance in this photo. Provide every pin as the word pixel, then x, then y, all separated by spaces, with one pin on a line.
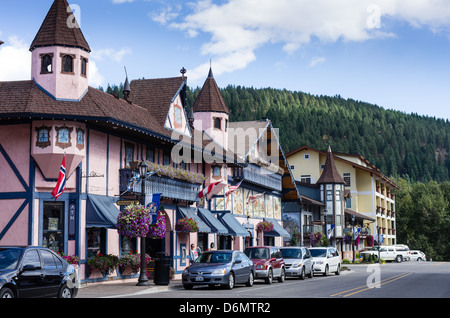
pixel 123 288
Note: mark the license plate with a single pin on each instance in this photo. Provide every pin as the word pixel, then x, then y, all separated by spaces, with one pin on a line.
pixel 199 279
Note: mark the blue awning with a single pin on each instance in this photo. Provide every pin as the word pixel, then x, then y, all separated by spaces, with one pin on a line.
pixel 101 212
pixel 278 230
pixel 189 212
pixel 212 221
pixel 232 224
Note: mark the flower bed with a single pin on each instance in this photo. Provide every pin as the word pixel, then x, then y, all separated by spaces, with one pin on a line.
pixel 171 172
pixel 104 263
pixel 133 261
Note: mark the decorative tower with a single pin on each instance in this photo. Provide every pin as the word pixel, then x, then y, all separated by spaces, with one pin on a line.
pixel 60 55
pixel 332 194
pixel 210 112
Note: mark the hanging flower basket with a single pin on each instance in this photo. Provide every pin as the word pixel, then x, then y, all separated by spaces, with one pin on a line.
pixel 134 221
pixel 186 225
pixel 370 240
pixel 319 239
pixel 264 226
pixel 158 231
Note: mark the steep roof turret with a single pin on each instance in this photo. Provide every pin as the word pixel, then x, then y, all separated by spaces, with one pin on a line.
pixel 330 174
pixel 210 99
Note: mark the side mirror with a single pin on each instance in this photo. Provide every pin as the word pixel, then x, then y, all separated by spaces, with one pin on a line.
pixel 238 261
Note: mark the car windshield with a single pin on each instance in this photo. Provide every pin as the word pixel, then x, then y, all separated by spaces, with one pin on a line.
pixel 375 248
pixel 257 253
pixel 216 257
pixel 322 252
pixel 291 252
pixel 9 257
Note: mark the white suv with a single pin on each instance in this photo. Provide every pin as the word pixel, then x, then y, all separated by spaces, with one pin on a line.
pixel 396 253
pixel 326 260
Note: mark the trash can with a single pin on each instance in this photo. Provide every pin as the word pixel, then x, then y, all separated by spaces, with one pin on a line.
pixel 162 269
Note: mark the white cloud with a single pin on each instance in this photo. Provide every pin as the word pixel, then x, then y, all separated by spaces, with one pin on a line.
pixel 95 78
pixel 239 27
pixel 317 60
pixel 110 53
pixel 121 1
pixel 15 60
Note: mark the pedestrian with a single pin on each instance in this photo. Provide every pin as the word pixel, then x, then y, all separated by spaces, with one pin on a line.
pixel 193 254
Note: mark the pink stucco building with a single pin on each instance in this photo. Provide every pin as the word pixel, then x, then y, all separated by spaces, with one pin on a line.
pixel 103 137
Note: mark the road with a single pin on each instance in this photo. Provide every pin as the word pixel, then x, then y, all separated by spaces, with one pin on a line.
pixel 390 280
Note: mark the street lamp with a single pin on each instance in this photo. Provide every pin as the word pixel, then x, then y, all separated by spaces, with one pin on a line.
pixel 378 241
pixel 143 279
pixel 353 237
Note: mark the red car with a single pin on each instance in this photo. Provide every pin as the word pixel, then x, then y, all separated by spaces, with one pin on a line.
pixel 269 263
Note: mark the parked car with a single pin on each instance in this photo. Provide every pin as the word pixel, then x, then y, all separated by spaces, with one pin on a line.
pixel 326 260
pixel 222 267
pixel 298 262
pixel 31 271
pixel 418 256
pixel 269 263
pixel 396 253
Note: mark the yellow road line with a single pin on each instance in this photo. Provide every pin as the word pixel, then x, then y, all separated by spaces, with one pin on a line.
pixel 364 287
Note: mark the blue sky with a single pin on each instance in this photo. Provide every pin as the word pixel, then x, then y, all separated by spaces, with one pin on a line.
pixel 392 53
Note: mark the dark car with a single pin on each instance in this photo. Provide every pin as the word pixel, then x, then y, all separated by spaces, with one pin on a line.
pixel 225 268
pixel 269 263
pixel 31 271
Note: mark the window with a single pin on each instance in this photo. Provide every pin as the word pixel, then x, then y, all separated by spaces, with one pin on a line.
pixel 48 260
pixel 31 258
pixel 43 137
pixel 84 62
pixel 177 116
pixel 67 64
pixel 166 159
pixel 347 179
pixel 80 138
pixel 306 155
pixel 46 63
pixel 218 123
pixel 305 179
pixel 292 167
pixel 329 195
pixel 129 154
pixel 63 137
pixel 217 171
pixel 150 154
pixel 53 226
pixel 96 241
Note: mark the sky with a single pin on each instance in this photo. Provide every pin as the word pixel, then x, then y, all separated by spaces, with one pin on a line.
pixel 391 53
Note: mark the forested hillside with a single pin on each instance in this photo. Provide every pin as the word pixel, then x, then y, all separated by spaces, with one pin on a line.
pixel 406 145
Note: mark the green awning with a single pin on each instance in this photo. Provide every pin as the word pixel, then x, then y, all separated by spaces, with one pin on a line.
pixel 234 227
pixel 101 211
pixel 189 212
pixel 215 225
pixel 278 230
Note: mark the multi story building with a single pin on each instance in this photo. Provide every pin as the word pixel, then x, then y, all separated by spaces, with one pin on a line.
pixel 365 192
pixel 103 138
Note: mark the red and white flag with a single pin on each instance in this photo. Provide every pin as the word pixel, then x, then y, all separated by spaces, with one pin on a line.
pixel 232 188
pixel 61 184
pixel 253 198
pixel 212 189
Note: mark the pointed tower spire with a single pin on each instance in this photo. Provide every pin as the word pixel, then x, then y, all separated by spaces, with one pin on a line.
pixel 330 174
pixel 210 99
pixel 126 87
pixel 60 28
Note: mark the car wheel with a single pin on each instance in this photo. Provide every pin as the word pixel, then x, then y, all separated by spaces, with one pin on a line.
pixel 311 272
pixel 230 284
pixel 326 270
pixel 338 271
pixel 398 259
pixel 302 275
pixel 251 280
pixel 188 286
pixel 65 292
pixel 282 278
pixel 269 277
pixel 6 293
pixel 419 259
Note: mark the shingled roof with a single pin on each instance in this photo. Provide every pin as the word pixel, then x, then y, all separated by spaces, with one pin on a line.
pixel 55 30
pixel 330 173
pixel 210 99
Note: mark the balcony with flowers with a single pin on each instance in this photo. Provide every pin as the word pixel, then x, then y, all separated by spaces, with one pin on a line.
pixel 173 183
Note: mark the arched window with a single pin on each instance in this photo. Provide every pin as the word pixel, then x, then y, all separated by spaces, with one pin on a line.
pixel 47 64
pixel 67 64
pixel 218 123
pixel 84 62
